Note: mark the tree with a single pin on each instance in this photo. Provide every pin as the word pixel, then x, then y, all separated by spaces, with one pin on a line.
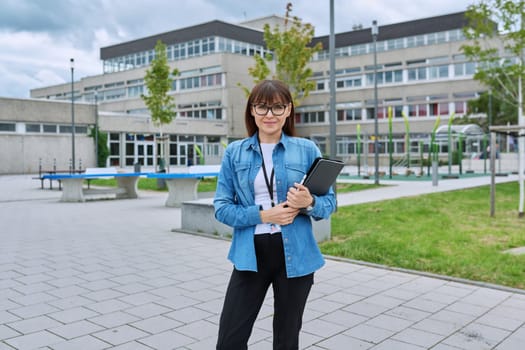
pixel 158 81
pixel 102 146
pixel 500 112
pixel 497 33
pixel 291 51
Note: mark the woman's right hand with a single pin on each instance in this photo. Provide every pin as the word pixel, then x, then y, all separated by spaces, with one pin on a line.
pixel 281 214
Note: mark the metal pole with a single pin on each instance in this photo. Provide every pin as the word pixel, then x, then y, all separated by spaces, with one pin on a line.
pixel 72 61
pixel 521 149
pixel 375 31
pixel 490 108
pixel 492 174
pixel 331 50
pixel 96 128
pixel 333 146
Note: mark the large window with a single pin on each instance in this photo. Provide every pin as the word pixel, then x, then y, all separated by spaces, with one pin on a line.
pixel 439 72
pixel 349 114
pixel 310 114
pixel 419 73
pixel 203 110
pixel 311 117
pixel 201 81
pixel 417 110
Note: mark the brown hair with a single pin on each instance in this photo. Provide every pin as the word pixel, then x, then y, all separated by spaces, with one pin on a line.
pixel 270 91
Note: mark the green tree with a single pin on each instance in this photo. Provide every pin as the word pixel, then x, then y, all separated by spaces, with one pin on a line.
pixel 497 52
pixel 291 51
pixel 158 81
pixel 496 30
pixel 500 112
pixel 103 150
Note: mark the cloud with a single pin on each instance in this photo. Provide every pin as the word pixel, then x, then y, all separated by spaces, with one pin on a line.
pixel 39 37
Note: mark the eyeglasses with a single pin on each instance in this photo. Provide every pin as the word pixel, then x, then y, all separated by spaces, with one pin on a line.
pixel 262 109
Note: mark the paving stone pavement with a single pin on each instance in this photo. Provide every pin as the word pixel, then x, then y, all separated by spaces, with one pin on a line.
pixel 111 274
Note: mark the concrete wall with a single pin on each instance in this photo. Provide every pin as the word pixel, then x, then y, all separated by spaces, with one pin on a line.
pixel 22 151
pixel 198 216
pixel 21 154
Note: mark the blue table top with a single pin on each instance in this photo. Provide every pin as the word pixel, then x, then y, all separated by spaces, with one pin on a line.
pixel 90 176
pixel 180 175
pixel 150 175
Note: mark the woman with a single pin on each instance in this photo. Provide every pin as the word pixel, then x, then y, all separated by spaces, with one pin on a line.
pixel 259 194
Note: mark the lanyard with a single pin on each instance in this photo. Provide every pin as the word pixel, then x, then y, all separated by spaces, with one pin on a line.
pixel 269 184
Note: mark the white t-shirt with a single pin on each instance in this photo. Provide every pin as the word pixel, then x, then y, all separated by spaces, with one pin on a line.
pixel 262 197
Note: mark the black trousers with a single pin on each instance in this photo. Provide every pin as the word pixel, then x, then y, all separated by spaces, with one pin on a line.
pixel 246 292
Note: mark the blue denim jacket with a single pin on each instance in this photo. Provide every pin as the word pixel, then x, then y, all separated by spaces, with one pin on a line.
pixel 235 205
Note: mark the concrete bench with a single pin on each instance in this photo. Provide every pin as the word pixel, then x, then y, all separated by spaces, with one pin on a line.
pixel 182 186
pixel 73 190
pixel 198 216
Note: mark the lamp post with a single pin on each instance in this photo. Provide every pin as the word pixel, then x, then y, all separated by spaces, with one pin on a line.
pixel 96 128
pixel 72 62
pixel 375 31
pixel 331 42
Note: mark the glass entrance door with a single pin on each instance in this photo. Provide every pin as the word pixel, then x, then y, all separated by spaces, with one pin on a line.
pixel 183 154
pixel 145 153
pixel 189 155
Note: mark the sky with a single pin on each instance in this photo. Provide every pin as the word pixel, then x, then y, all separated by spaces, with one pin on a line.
pixel 38 38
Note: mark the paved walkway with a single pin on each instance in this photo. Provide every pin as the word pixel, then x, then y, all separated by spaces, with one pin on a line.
pixel 113 275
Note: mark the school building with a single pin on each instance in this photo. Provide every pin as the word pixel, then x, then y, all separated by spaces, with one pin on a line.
pixel 421 73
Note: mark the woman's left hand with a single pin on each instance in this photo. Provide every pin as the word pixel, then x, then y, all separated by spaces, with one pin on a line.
pixel 299 196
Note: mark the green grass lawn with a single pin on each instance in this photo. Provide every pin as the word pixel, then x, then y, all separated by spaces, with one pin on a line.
pixel 149 184
pixel 210 184
pixel 448 233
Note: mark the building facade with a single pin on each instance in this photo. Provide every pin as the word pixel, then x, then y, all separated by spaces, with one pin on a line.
pixel 422 77
pixel 38 133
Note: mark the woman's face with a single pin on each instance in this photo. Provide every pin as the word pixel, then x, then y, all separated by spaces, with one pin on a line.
pixel 270 117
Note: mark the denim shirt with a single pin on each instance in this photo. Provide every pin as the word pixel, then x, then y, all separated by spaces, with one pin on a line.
pixel 235 204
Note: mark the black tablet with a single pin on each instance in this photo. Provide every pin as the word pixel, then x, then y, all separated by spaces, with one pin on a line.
pixel 322 174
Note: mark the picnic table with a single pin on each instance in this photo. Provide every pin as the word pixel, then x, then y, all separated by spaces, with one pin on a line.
pixel 73 189
pixel 182 186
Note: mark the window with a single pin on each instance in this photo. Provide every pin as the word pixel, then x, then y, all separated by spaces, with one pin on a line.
pixel 204 110
pixel 417 73
pixel 395 76
pixel 310 117
pixel 397 111
pixel 370 113
pixel 81 129
pixel 193 48
pixel 65 129
pixel 358 49
pixel 7 127
pixel 33 128
pixel 114 149
pixel 134 91
pixel 50 128
pixel 439 108
pixel 395 44
pixel 466 68
pixel 438 72
pixel 114 94
pixel 349 114
pixel 460 107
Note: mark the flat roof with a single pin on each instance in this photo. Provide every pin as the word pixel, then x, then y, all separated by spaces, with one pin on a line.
pixel 398 30
pixel 245 34
pixel 199 31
